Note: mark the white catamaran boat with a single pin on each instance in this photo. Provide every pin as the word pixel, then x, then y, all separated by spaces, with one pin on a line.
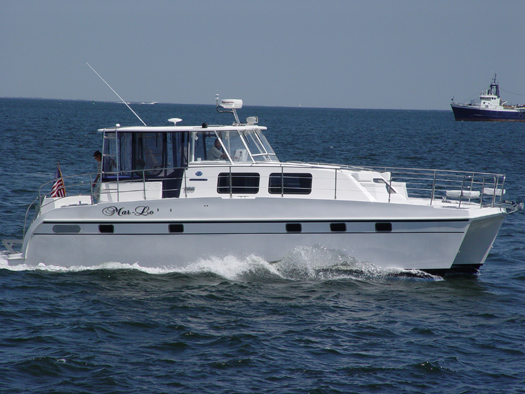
pixel 171 195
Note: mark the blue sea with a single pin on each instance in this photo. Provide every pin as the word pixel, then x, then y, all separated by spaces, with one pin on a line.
pixel 244 326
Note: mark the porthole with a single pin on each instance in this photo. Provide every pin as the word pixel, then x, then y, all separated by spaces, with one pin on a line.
pixel 338 227
pixel 294 227
pixel 106 228
pixel 176 228
pixel 384 227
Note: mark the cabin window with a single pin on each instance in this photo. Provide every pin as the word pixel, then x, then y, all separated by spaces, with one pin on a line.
pixel 239 145
pixel 109 154
pixel 200 141
pixel 259 146
pixel 238 183
pixel 219 145
pixel 233 143
pixel 285 183
pixel 143 155
pixel 147 154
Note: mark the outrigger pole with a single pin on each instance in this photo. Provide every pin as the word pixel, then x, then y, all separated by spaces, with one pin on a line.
pixel 113 90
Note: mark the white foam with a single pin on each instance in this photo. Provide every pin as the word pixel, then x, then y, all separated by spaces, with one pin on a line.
pixel 303 263
pixel 231 267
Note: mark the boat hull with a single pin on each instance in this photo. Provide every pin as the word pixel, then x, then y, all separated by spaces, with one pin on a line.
pixel 472 113
pixel 362 232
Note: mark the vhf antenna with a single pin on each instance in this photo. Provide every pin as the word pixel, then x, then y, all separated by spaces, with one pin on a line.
pixel 113 90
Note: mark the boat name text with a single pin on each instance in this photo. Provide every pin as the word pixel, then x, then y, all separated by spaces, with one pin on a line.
pixel 139 211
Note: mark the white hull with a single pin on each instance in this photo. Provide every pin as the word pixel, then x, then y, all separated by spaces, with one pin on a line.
pixel 430 244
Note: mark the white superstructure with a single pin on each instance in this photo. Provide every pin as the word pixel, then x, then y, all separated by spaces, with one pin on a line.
pixel 171 195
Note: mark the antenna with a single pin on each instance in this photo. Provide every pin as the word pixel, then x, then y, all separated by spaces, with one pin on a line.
pixel 121 99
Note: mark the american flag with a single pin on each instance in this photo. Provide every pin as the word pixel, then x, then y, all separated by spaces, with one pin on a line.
pixel 58 190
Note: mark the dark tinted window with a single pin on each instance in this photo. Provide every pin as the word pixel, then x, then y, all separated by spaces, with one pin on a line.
pixel 290 183
pixel 294 227
pixel 238 183
pixel 341 227
pixel 106 228
pixel 384 227
pixel 176 228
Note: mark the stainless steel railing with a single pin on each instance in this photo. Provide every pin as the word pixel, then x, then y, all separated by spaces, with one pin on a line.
pixel 431 184
pixel 460 187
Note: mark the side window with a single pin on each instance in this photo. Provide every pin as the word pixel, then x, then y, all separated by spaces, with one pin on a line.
pixel 149 154
pixel 283 183
pixel 109 157
pixel 238 183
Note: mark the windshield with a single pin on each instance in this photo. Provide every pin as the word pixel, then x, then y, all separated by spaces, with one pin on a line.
pixel 231 145
pixel 259 146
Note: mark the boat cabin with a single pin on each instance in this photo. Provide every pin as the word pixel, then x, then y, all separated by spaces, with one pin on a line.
pixel 162 154
pixel 491 99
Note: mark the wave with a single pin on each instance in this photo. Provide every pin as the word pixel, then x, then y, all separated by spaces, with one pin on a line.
pixel 303 263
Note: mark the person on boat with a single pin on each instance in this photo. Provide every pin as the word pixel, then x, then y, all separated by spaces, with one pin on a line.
pixel 215 152
pixel 96 186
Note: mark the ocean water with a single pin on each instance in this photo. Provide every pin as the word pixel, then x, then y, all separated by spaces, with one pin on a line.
pixel 247 326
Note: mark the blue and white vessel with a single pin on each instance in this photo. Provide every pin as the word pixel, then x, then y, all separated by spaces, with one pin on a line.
pixel 489 108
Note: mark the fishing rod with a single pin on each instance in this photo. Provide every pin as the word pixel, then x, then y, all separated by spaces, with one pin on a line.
pixel 113 90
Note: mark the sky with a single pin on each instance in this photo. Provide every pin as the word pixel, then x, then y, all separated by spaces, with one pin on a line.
pixel 381 54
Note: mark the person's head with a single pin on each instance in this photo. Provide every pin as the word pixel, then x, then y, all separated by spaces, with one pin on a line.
pixel 218 144
pixel 97 155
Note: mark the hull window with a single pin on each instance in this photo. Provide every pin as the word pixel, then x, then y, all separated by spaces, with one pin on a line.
pixel 384 227
pixel 106 228
pixel 338 227
pixel 294 227
pixel 176 228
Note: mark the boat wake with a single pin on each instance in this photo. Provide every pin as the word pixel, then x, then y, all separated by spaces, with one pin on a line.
pixel 303 263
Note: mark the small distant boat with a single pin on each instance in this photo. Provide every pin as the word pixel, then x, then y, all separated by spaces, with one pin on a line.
pixel 489 108
pixel 148 102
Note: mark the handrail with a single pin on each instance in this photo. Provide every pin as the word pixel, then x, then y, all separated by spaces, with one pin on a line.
pixel 419 183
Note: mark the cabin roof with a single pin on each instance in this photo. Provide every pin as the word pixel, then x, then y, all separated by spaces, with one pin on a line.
pixel 180 129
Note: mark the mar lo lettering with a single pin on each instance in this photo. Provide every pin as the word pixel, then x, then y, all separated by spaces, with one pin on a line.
pixel 139 211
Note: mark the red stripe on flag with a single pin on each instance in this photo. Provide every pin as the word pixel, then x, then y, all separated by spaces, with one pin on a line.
pixel 58 190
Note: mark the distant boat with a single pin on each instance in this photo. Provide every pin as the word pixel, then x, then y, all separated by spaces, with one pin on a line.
pixel 149 102
pixel 489 108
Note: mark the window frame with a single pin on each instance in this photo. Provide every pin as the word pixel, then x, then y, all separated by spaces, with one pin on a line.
pixel 283 183
pixel 236 183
